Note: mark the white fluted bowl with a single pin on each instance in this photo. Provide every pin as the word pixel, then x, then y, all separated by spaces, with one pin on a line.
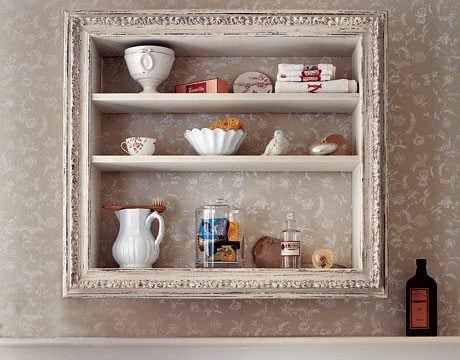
pixel 215 142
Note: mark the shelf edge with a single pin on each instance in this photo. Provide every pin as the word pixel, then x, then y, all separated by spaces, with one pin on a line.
pixel 226 163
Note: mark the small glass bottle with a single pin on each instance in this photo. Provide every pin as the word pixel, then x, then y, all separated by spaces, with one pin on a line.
pixel 290 244
pixel 421 303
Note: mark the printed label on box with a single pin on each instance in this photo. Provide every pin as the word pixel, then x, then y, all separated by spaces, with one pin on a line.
pixel 196 88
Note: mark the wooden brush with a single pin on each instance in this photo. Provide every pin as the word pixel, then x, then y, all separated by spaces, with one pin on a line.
pixel 157 204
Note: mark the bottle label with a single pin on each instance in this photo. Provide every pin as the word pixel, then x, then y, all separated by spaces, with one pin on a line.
pixel 419 308
pixel 290 248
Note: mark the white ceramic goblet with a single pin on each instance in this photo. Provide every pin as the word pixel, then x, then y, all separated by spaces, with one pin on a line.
pixel 149 65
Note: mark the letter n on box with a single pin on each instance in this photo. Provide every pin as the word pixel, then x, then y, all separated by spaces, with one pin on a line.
pixel 205 86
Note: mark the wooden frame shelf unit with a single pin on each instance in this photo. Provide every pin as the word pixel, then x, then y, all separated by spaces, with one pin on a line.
pixel 90 36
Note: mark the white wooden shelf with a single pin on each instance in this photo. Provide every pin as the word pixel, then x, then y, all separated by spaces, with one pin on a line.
pixel 242 348
pixel 224 103
pixel 225 163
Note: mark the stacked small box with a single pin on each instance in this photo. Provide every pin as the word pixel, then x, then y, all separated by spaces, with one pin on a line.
pixel 300 78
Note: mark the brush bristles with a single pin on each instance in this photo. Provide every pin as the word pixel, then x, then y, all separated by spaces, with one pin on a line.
pixel 158 202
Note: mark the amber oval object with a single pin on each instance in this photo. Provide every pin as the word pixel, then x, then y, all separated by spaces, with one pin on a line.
pixel 339 140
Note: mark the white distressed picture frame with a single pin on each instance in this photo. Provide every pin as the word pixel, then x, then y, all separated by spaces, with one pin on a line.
pixel 367 278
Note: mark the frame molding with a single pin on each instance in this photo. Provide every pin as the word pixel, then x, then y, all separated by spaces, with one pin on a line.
pixel 81 281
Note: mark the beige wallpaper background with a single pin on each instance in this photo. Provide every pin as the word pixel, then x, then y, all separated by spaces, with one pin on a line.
pixel 321 201
pixel 422 175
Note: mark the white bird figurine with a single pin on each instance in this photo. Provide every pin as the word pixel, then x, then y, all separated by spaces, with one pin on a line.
pixel 279 145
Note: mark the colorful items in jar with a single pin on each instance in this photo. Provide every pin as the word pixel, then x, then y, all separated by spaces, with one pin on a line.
pixel 234 231
pixel 219 239
pixel 213 228
pixel 226 253
pixel 219 236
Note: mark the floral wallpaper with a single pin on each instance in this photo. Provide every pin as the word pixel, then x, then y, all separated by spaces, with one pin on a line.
pixel 422 177
pixel 321 202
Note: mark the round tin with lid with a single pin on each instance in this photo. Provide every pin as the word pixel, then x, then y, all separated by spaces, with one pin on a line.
pixel 252 82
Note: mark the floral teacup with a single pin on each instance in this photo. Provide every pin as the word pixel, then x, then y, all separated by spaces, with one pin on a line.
pixel 139 145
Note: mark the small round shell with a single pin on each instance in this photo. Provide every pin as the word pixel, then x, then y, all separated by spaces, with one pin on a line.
pixel 323 259
pixel 323 148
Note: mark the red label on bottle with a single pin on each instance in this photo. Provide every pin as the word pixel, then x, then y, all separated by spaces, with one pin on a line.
pixel 419 308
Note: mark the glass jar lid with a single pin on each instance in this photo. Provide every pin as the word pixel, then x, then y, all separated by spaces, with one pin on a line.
pixel 218 203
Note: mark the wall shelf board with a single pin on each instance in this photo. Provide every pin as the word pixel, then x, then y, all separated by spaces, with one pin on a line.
pixel 225 163
pixel 243 348
pixel 224 103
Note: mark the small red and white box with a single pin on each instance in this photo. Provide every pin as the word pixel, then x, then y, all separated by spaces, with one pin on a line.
pixel 205 86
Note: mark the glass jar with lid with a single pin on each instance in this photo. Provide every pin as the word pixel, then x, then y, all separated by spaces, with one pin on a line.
pixel 219 236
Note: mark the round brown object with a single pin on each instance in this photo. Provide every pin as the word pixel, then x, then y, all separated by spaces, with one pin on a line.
pixel 267 252
pixel 339 140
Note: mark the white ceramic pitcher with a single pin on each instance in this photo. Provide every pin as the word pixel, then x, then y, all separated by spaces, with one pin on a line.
pixel 135 246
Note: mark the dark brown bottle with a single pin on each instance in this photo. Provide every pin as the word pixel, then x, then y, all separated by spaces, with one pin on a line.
pixel 421 303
